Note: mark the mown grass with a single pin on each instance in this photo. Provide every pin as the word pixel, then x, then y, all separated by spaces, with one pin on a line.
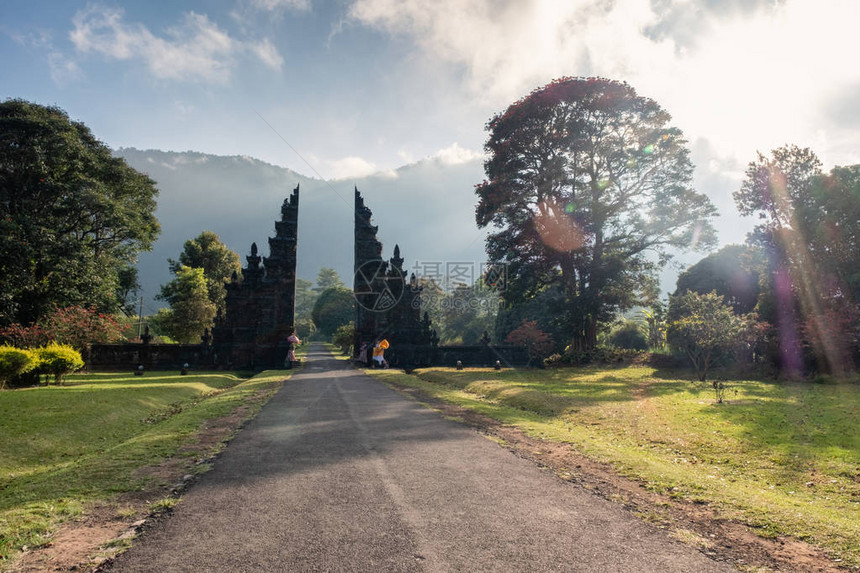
pixel 64 447
pixel 783 458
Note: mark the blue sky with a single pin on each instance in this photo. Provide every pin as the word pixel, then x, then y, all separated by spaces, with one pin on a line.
pixel 358 86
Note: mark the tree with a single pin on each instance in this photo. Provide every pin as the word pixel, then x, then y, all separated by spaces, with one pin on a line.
pixel 655 324
pixel 72 217
pixel 727 273
pixel 327 278
pixel 628 334
pixel 191 311
pixel 305 299
pixel 537 343
pixel 704 328
pixel 587 185
pixel 810 237
pixel 466 313
pixel 334 308
pixel 207 252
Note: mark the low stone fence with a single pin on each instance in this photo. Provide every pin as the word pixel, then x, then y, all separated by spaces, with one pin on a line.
pixel 129 356
pixel 151 356
pixel 408 356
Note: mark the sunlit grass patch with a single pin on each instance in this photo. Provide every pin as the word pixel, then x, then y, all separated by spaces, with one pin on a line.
pixel 66 446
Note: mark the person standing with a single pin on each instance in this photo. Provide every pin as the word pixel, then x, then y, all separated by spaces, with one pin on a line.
pixel 294 341
pixel 362 354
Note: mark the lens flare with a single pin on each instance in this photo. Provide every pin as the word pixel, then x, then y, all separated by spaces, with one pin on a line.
pixel 697 233
pixel 648 149
pixel 556 229
pixel 570 208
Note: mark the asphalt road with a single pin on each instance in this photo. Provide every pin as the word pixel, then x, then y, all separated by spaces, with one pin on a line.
pixel 340 473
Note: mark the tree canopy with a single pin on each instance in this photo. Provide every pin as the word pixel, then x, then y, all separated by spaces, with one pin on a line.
pixel 72 217
pixel 207 252
pixel 191 312
pixel 328 278
pixel 334 308
pixel 728 273
pixel 705 328
pixel 587 186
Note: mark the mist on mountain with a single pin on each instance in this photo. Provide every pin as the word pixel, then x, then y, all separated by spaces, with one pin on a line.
pixel 426 207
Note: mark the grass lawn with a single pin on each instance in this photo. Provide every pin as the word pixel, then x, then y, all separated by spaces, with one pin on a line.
pixel 783 458
pixel 63 447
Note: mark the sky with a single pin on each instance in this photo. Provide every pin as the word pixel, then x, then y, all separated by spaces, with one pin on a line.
pixel 341 89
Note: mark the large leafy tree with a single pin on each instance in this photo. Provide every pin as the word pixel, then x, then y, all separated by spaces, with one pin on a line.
pixel 587 186
pixel 207 252
pixel 72 217
pixel 810 234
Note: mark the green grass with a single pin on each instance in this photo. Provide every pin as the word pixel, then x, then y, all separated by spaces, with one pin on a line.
pixel 783 458
pixel 64 447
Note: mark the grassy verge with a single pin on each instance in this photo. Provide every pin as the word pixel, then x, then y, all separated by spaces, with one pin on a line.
pixel 64 447
pixel 783 458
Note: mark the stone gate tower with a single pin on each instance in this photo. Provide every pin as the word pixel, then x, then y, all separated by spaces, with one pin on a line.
pixel 387 304
pixel 261 304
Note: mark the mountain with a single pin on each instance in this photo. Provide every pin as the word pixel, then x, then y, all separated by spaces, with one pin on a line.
pixel 426 207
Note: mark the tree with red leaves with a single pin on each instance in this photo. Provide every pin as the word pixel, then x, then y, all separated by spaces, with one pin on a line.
pixel 587 185
pixel 537 343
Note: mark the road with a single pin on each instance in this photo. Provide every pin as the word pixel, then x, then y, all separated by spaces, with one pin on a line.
pixel 340 473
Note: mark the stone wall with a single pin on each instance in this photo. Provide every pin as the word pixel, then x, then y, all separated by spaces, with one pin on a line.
pixel 152 356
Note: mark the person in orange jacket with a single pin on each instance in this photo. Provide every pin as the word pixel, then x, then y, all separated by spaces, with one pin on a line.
pixel 379 353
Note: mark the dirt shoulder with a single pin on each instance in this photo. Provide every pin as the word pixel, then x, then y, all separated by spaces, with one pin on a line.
pixel 694 524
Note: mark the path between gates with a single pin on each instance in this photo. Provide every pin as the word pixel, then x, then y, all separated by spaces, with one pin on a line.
pixel 340 473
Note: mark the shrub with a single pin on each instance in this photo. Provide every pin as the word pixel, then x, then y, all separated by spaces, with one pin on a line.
pixel 14 362
pixel 305 328
pixel 628 335
pixel 21 336
pixel 79 327
pixel 58 360
pixel 536 342
pixel 343 337
pixel 600 355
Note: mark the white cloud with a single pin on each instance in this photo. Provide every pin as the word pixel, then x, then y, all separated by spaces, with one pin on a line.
pixel 745 79
pixel 456 155
pixel 63 69
pixel 350 167
pixel 271 5
pixel 196 49
pixel 268 54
